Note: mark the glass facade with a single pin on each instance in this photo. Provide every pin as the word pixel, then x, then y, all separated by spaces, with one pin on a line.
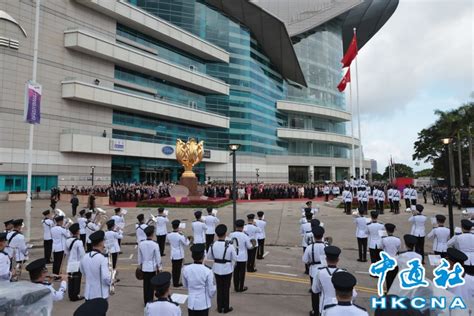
pixel 318 149
pixel 18 183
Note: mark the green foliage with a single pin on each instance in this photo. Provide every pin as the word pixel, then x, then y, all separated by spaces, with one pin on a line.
pixel 424 173
pixel 377 177
pixel 401 171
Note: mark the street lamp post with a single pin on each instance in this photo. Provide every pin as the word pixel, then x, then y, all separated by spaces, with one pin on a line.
pixel 447 142
pixel 233 148
pixel 92 174
pixel 256 169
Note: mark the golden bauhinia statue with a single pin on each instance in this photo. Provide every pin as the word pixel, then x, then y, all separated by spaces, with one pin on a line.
pixel 189 154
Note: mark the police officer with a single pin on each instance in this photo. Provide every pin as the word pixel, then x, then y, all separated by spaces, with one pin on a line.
pixel 91 228
pixel 8 225
pixel 261 223
pixel 465 243
pixel 119 221
pixel 314 257
pixel 390 192
pixel 164 305
pixel 466 290
pixel 94 267
pixel 211 221
pixel 305 228
pixel 375 241
pixel 391 245
pixel 375 197
pixel 409 253
pixel 252 231
pixel 177 243
pixel 413 195
pixel 82 221
pixel 364 196
pixel 5 261
pixel 161 229
pixel 396 200
pixel 199 229
pixel 96 307
pixel 407 196
pixel 362 233
pixel 381 199
pixel 75 252
pixel 223 253
pixel 199 281
pixel 241 243
pixel 39 273
pixel 17 244
pixel 47 239
pixel 140 228
pixel 344 283
pixel 59 235
pixel 149 260
pixel 112 237
pixel 440 236
pixel 347 199
pixel 418 221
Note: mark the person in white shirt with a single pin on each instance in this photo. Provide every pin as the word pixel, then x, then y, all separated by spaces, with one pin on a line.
pixel 199 229
pixel 252 231
pixel 242 243
pixel 381 199
pixel 347 199
pixel 91 228
pixel 440 236
pixel 364 196
pixel 390 197
pixel 466 290
pixel 112 236
pixel 305 228
pixel 211 221
pixel 140 228
pixel 224 255
pixel 315 257
pixel 391 245
pixel 413 195
pixel 405 256
pixel 95 269
pixel 59 234
pixel 199 280
pixel 48 223
pixel 407 196
pixel 261 223
pixel 149 261
pixel 362 233
pixel 164 305
pixel 344 284
pixel 119 220
pixel 396 195
pixel 418 221
pixel 75 252
pixel 375 194
pixel 177 243
pixel 38 274
pixel 465 243
pixel 82 221
pixel 335 190
pixel 17 245
pixel 6 272
pixel 161 229
pixel 375 241
pixel 326 192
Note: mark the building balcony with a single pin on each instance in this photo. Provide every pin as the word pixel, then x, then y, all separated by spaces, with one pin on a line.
pixel 314 110
pixel 72 142
pixel 290 133
pixel 93 94
pixel 155 27
pixel 137 60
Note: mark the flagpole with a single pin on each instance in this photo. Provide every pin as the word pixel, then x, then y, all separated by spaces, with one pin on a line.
pixel 361 173
pixel 352 129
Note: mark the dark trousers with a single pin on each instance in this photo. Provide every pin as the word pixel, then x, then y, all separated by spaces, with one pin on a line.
pixel 407 203
pixel 396 207
pixel 114 260
pixel 239 275
pixel 390 201
pixel 83 239
pixel 58 258
pixel 161 239
pixel 209 240
pixel 362 245
pixel 347 207
pixel 176 266
pixel 223 291
pixel 88 247
pixel 74 285
pixel 204 312
pixel 251 260
pixel 314 299
pixel 120 242
pixel 306 266
pixel 74 210
pixel 365 206
pixel 147 287
pixel 391 275
pixel 374 255
pixel 381 208
pixel 326 197
pixel 412 202
pixel 376 203
pixel 48 248
pixel 442 254
pixel 420 247
pixel 261 248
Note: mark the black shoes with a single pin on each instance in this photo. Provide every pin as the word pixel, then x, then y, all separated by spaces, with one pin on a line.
pixel 243 289
pixel 226 311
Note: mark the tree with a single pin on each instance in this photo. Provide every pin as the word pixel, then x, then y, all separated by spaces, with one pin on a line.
pixel 377 177
pixel 424 173
pixel 401 170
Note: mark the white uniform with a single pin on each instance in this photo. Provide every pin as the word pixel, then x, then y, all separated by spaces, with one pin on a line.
pixel 375 194
pixel 199 281
pixel 162 307
pixel 252 231
pixel 211 222
pixel 161 225
pixel 315 257
pixel 322 284
pixel 149 257
pixel 413 194
pixel 336 190
pixel 199 232
pixel 59 234
pixel 404 257
pixel 465 243
pixel 361 227
pixel 418 225
pixel 305 229
pixel 18 245
pixel 364 196
pixel 5 261
pixel 177 242
pixel 440 237
pixel 381 196
pixel 346 196
pixel 82 221
pixel 342 309
pixel 390 193
pixel 111 241
pixel 260 223
pixel 94 266
pixel 406 193
pixel 140 232
pixel 395 195
pixel 119 221
pixel 77 250
pixel 466 291
pixel 375 241
pixel 47 225
pixel 326 190
pixel 391 245
pixel 242 244
pixel 91 227
pixel 223 255
pixel 59 294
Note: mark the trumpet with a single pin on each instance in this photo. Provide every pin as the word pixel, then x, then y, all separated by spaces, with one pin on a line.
pixel 67 221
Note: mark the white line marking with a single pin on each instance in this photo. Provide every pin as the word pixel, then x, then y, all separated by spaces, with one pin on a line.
pixel 131 256
pixel 134 264
pixel 135 246
pixel 278 266
pixel 265 254
pixel 281 273
pixel 362 272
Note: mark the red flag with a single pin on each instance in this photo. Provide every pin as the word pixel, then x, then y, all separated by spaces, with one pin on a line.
pixel 347 78
pixel 351 53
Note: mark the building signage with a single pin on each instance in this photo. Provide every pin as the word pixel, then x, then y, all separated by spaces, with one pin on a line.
pixel 117 145
pixel 32 112
pixel 9 42
pixel 206 154
pixel 167 150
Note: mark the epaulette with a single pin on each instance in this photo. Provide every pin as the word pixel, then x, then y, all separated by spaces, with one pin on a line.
pixel 360 307
pixel 329 306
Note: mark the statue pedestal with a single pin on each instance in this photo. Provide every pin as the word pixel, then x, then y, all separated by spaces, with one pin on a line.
pixel 192 184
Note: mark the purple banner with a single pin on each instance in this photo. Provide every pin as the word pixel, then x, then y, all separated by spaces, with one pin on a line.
pixel 33 103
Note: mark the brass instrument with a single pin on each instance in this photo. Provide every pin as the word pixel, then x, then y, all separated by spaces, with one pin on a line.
pixel 67 221
pixel 100 218
pixel 113 275
pixel 152 219
pixel 191 240
pixel 328 240
pixel 189 154
pixel 254 243
pixel 355 213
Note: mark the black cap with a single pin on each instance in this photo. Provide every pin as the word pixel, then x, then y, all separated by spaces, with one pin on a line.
pixel 140 217
pixel 221 229
pixel 209 210
pixel 374 214
pixel 332 252
pixel 9 222
pixel 260 213
pixel 117 209
pixel 315 222
pixel 38 264
pixel 161 281
pixel 17 222
pixel 343 281
pixel 456 255
pixel 110 224
pixel 97 236
pixel 250 216
pixel 161 209
pixel 440 218
pixel 239 223
pixel 309 202
pixel 197 214
pixel 175 223
pixel 59 218
pixel 74 228
pixel 198 248
pixel 46 212
pixel 420 208
pixel 410 239
pixel 3 236
pixel 94 307
pixel 390 227
pixel 318 231
pixel 82 212
pixel 466 224
pixel 149 230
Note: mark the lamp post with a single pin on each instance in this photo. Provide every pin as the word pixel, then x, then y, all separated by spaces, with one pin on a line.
pixel 92 174
pixel 233 148
pixel 256 169
pixel 447 143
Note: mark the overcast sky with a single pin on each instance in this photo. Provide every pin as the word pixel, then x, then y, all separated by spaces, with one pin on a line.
pixel 421 60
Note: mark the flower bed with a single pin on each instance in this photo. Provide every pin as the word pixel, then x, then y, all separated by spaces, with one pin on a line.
pixel 184 203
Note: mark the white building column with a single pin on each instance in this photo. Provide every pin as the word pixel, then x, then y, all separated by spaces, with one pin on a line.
pixel 311 173
pixel 333 173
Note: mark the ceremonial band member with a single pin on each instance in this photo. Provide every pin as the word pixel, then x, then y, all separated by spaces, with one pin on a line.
pixel 262 224
pixel 223 253
pixel 140 228
pixel 199 229
pixel 418 221
pixel 91 228
pixel 82 221
pixel 96 307
pixel 344 284
pixel 112 237
pixel 391 245
pixel 95 268
pixel 211 221
pixel 119 221
pixel 149 260
pixel 465 242
pixel 409 254
pixel 305 228
pixel 5 261
pixel 347 199
pixel 75 252
pixel 466 290
pixel 60 235
pixel 161 229
pixel 39 273
pixel 375 241
pixel 252 231
pixel 16 242
pixel 164 305
pixel 199 281
pixel 241 243
pixel 362 233
pixel 177 242
pixel 313 256
pixel 8 226
pixel 440 236
pixel 47 239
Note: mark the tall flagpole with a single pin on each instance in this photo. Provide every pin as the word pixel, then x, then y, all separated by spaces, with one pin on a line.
pixel 361 173
pixel 30 145
pixel 352 129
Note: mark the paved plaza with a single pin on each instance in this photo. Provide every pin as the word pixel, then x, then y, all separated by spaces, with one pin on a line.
pixel 279 287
